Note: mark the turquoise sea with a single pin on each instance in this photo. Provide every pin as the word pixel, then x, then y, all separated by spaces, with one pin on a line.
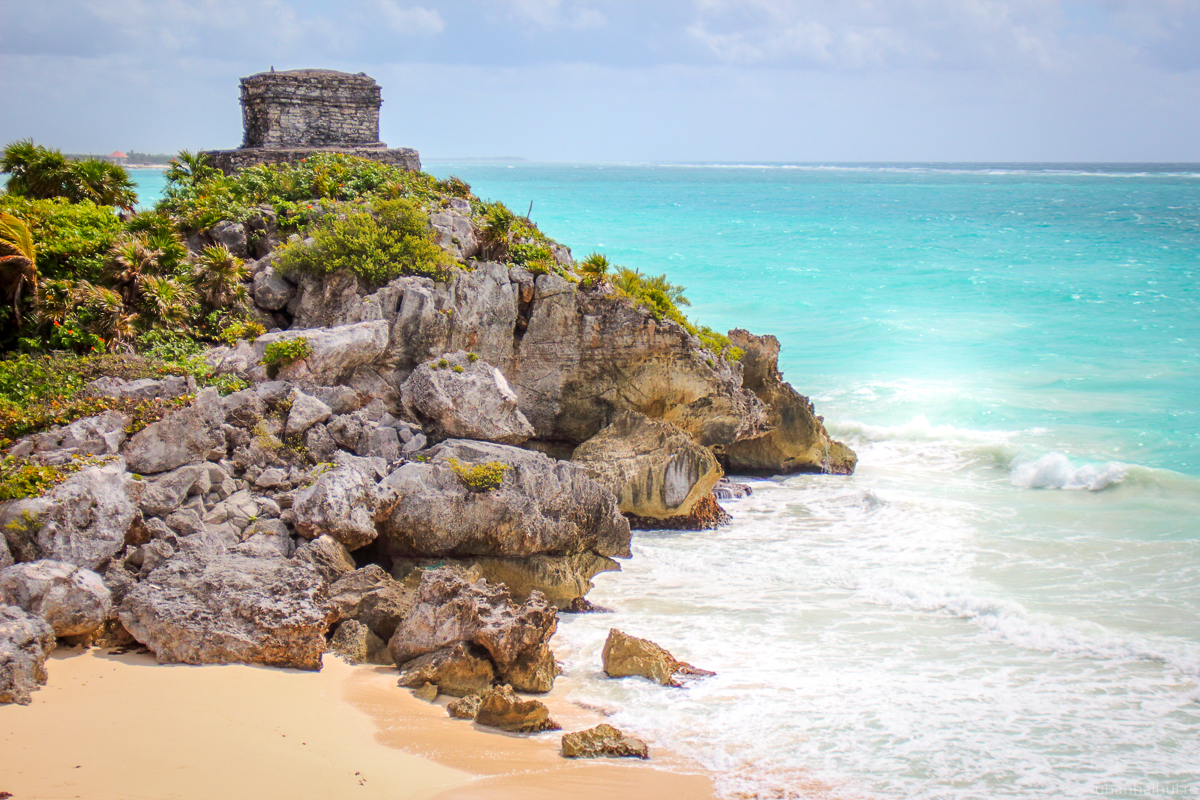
pixel 1004 600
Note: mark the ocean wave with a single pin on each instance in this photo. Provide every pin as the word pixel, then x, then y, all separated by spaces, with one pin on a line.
pixel 919 429
pixel 1055 471
pixel 1013 623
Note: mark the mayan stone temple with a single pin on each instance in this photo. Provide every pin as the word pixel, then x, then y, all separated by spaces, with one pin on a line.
pixel 290 115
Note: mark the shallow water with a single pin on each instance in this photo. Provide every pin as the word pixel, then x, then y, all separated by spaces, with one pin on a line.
pixel 1004 600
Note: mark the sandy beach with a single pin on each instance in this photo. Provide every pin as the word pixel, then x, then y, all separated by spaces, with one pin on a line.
pixel 124 727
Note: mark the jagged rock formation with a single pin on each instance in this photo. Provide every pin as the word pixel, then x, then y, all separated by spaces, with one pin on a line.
pixel 461 397
pixel 290 115
pixel 218 602
pixel 797 441
pixel 655 469
pixel 500 708
pixel 450 611
pixel 25 641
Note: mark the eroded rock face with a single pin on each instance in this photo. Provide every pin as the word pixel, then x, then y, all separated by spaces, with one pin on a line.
pixel 213 603
pixel 798 441
pixel 100 435
pixel 455 670
pixel 459 396
pixel 340 503
pixel 603 741
pixel 72 600
pixel 25 641
pixel 655 469
pixel 190 434
pixel 372 597
pixel 87 516
pixel 626 655
pixel 562 580
pixel 327 556
pixel 356 643
pixel 706 515
pixel 543 506
pixel 449 611
pixel 500 708
pixel 464 707
pixel 336 352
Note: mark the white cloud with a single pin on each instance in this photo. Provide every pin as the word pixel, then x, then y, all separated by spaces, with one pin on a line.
pixel 415 21
pixel 552 15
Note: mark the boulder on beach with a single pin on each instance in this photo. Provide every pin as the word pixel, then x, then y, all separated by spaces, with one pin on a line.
pixel 86 517
pixel 217 603
pixel 456 670
pixel 500 707
pixel 357 644
pixel 74 601
pixel 603 741
pixel 25 641
pixel 464 707
pixel 449 611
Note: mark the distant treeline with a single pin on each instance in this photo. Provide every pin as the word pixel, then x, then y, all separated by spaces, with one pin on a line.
pixel 134 157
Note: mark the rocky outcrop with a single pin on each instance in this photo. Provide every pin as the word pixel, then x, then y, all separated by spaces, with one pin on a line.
pixel 730 490
pixel 25 641
pixel 192 433
pixel 603 741
pixel 340 504
pixel 542 506
pixel 72 600
pixel 626 655
pixel 86 518
pixel 327 556
pixel 372 597
pixel 705 516
pixel 356 643
pixel 655 469
pixel 100 435
pixel 798 441
pixel 455 670
pixel 450 611
pixel 212 603
pixel 459 396
pixel 500 708
pixel 562 580
pixel 464 707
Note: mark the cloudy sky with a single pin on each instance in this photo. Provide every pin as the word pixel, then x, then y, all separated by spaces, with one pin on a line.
pixel 643 80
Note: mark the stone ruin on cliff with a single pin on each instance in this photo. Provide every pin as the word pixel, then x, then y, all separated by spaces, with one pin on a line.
pixel 291 115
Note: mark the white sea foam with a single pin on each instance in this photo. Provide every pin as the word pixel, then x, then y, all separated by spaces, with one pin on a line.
pixel 1011 621
pixel 1055 471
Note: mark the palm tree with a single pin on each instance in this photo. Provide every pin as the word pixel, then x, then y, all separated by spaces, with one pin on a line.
pixel 497 226
pixel 18 262
pixel 102 182
pixel 131 260
pixel 112 321
pixel 219 275
pixel 594 268
pixel 188 167
pixel 41 173
pixel 35 171
pixel 167 301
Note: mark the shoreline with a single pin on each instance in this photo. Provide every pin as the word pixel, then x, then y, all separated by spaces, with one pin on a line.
pixel 159 731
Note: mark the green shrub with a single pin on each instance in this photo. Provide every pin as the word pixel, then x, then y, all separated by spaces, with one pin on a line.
pixel 482 477
pixel 390 240
pixel 283 352
pixel 241 329
pixel 457 368
pixel 72 239
pixel 21 478
pixel 472 357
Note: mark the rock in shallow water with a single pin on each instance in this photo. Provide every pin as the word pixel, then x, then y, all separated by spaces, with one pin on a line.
pixel 626 655
pixel 603 741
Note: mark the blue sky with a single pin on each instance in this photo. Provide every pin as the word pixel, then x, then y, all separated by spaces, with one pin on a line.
pixel 567 80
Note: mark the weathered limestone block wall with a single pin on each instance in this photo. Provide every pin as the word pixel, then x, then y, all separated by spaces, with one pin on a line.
pixel 310 108
pixel 289 116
